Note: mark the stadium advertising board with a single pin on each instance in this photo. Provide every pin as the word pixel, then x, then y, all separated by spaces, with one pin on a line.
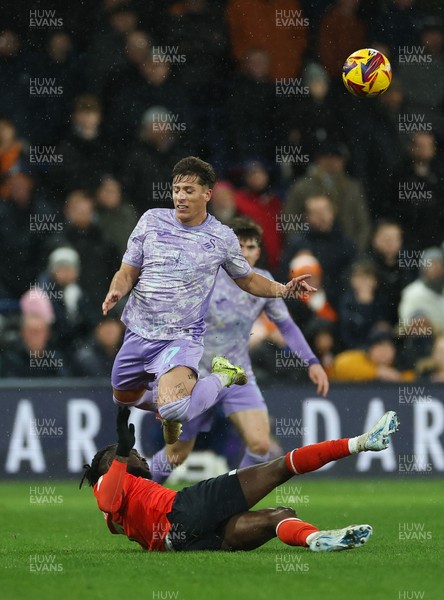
pixel 50 431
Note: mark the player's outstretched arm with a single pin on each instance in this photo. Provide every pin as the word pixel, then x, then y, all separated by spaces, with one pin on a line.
pixel 122 282
pixel 298 344
pixel 261 286
pixel 110 486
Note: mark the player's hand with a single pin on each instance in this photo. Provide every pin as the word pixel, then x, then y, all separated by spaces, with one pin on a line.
pixel 319 377
pixel 125 433
pixel 112 297
pixel 298 286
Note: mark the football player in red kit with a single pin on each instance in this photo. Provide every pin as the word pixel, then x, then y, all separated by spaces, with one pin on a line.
pixel 215 514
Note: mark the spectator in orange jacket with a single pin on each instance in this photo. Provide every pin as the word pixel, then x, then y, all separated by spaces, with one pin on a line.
pixel 376 363
pixel 317 303
pixel 277 26
pixel 341 32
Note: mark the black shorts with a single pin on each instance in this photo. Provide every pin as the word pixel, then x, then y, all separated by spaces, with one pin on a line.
pixel 200 513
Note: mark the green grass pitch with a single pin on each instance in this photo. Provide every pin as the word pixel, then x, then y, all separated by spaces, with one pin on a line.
pixel 403 560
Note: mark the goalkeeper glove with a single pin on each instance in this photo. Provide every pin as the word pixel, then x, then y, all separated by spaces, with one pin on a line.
pixel 125 433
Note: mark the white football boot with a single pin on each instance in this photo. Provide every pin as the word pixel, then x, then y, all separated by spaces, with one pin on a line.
pixel 378 437
pixel 335 540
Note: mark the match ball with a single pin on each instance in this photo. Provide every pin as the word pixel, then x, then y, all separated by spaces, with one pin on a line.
pixel 367 72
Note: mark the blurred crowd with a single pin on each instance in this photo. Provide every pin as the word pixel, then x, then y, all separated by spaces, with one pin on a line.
pixel 100 99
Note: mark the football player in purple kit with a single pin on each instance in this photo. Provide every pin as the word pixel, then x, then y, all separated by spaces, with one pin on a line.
pixel 229 321
pixel 170 267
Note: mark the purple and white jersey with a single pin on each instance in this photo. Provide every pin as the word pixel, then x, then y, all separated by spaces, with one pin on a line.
pixel 178 266
pixel 229 320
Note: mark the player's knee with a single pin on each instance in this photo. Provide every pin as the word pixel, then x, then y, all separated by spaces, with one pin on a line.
pixel 284 512
pixel 259 446
pixel 176 384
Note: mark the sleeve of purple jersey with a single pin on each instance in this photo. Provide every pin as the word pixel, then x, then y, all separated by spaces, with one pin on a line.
pixel 277 312
pixel 134 250
pixel 235 264
pixel 296 341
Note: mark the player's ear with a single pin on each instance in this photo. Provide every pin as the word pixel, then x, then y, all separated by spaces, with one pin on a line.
pixel 208 194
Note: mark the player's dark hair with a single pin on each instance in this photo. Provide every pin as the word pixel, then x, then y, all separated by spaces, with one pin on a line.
pixel 246 229
pixel 191 166
pixel 93 471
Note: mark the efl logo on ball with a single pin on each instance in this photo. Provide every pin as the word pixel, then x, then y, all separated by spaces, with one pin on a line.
pixel 367 72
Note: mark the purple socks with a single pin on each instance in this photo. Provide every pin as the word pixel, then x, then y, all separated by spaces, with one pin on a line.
pixel 160 466
pixel 203 397
pixel 249 459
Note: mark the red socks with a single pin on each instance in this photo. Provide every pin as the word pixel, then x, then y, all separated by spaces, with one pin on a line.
pixel 315 456
pixel 294 532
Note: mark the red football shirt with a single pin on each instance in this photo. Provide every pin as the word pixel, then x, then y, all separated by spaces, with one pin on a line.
pixel 134 506
pixel 264 210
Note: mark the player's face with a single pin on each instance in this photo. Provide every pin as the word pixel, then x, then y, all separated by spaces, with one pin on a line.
pixel 190 200
pixel 250 250
pixel 138 466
